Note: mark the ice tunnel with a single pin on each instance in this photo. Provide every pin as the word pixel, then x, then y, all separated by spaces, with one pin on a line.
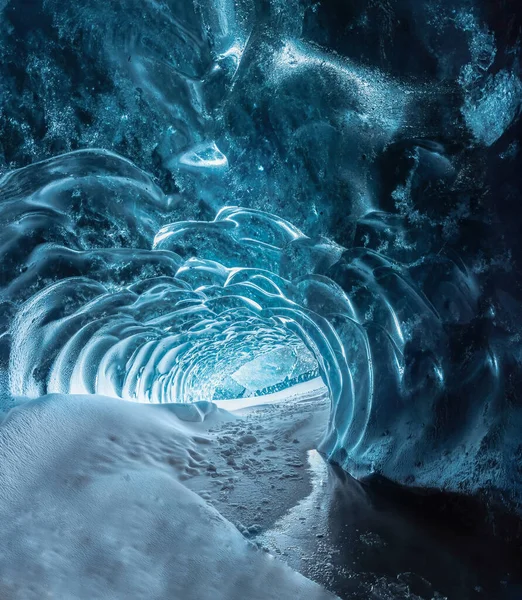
pixel 105 300
pixel 204 202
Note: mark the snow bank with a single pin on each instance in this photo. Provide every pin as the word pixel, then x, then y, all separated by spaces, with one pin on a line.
pixel 92 507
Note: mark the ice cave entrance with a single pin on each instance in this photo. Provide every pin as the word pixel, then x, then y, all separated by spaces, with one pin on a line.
pixel 277 375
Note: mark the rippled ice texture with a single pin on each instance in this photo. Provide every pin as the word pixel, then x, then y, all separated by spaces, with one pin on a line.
pixel 332 190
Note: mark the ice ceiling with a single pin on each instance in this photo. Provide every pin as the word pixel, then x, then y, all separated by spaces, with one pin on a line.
pixel 212 200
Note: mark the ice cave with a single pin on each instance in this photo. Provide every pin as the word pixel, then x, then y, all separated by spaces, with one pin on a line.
pixel 260 300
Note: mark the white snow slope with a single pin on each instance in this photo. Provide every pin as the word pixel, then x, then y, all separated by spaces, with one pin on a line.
pixel 92 506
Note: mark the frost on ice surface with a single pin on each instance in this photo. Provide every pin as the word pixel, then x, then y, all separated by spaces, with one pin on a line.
pixel 497 106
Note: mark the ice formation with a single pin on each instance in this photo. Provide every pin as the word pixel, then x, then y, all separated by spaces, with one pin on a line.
pixel 105 300
pixel 213 200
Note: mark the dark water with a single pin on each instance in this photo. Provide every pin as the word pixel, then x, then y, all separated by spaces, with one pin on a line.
pixel 377 541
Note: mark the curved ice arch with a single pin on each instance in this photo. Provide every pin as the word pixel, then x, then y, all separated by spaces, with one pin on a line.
pixel 100 294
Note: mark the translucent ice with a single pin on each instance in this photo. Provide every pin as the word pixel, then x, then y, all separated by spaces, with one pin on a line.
pixel 247 304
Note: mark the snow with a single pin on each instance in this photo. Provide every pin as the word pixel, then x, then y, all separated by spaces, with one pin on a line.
pixel 93 505
pixel 258 461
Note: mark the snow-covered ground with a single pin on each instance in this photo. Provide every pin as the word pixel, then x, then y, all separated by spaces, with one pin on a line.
pixel 94 505
pixel 103 499
pixel 258 466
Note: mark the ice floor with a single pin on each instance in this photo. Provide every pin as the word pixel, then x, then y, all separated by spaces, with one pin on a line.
pixel 94 506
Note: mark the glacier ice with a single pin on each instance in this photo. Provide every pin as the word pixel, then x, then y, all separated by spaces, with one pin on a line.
pixel 191 189
pixel 102 304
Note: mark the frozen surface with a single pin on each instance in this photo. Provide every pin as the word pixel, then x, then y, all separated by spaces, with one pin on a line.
pixel 93 506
